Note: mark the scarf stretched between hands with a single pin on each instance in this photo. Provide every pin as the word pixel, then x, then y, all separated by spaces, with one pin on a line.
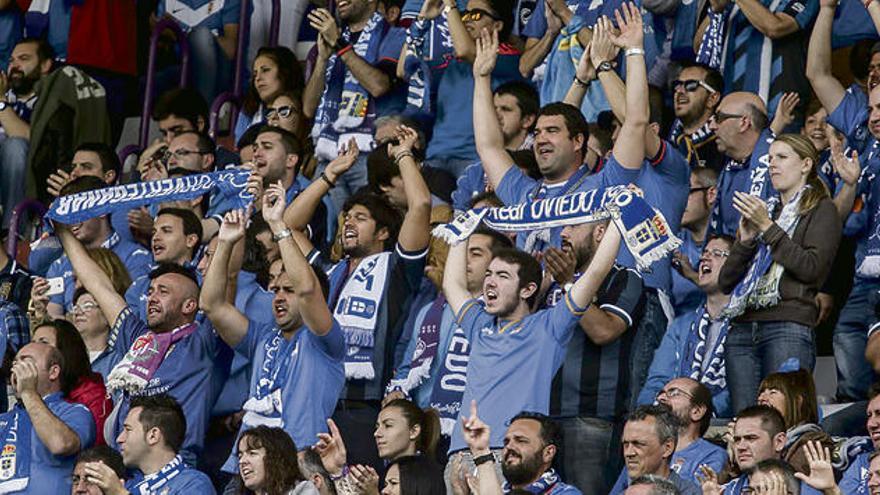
pixel 15 458
pixel 346 109
pixel 146 354
pixel 357 310
pixel 706 365
pixel 79 207
pixel 265 406
pixel 760 286
pixel 712 44
pixel 426 40
pixel 153 483
pixel 643 229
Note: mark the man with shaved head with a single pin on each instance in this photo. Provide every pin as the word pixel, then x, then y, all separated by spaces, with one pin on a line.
pixel 168 353
pixel 42 434
pixel 741 128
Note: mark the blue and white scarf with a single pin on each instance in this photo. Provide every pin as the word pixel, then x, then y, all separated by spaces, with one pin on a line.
pixel 701 363
pixel 265 407
pixel 15 458
pixel 357 310
pixel 760 286
pixel 451 381
pixel 346 109
pixel 544 484
pixel 425 352
pixel 712 44
pixel 153 483
pixel 643 229
pixel 426 40
pixel 76 208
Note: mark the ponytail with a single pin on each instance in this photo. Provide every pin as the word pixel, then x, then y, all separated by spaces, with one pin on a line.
pixel 428 421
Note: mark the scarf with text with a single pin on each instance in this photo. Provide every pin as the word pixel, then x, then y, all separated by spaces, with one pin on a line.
pixel 144 357
pixel 265 406
pixel 153 483
pixel 451 380
pixel 712 44
pixel 426 348
pixel 428 42
pixel 643 229
pixel 701 362
pixel 15 458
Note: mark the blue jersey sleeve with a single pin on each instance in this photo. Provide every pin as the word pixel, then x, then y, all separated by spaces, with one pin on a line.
pixel 855 477
pixel 537 25
pixel 231 14
pixel 413 265
pixel 137 262
pixel 671 164
pixel 125 330
pixel 616 174
pixel 333 343
pixel 803 11
pixel 515 187
pixel 562 318
pixel 78 418
pixel 256 332
pixel 471 316
pixel 849 117
pixel 622 295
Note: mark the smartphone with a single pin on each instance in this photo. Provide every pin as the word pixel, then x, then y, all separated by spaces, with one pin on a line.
pixel 56 286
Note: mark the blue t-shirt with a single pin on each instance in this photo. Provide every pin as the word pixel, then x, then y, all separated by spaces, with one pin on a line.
pixel 315 377
pixel 685 295
pixel 212 14
pixel 537 24
pixel 686 462
pixel 136 258
pixel 188 481
pixel 54 27
pixel 185 374
pixel 454 129
pixel 512 363
pixel 855 478
pixel 51 473
pixel 685 487
pixel 11 27
pixel 739 177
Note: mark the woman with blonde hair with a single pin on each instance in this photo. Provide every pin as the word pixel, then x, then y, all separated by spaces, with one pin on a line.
pixel 782 254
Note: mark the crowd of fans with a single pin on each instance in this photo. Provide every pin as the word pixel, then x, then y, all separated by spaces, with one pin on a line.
pixel 328 335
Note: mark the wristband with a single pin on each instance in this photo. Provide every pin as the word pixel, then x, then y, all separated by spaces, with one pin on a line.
pixel 402 155
pixel 483 459
pixel 344 473
pixel 344 49
pixel 604 67
pixel 280 236
pixel 327 180
pixel 634 51
pixel 447 9
pixel 583 84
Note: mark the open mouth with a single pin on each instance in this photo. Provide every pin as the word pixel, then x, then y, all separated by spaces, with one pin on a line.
pixel 280 310
pixel 490 295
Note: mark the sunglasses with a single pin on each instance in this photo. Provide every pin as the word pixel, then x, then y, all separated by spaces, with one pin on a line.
pixel 691 85
pixel 720 117
pixel 473 15
pixel 282 111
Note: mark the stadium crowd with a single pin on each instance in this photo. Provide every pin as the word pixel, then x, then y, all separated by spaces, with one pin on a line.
pixel 440 247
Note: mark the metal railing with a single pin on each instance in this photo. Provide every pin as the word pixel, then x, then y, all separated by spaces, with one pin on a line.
pixel 183 42
pixel 32 206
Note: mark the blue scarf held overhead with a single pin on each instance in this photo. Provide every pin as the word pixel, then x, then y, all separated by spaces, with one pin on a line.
pixel 643 229
pixel 76 208
pixel 699 361
pixel 426 41
pixel 15 458
pixel 153 483
pixel 346 109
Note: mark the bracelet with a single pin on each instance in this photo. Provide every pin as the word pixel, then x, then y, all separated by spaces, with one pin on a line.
pixel 583 84
pixel 327 180
pixel 447 9
pixel 402 155
pixel 344 49
pixel 280 236
pixel 345 471
pixel 634 51
pixel 490 457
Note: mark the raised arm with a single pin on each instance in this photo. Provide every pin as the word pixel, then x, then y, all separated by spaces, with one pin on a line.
pixel 315 85
pixel 455 277
pixel 90 275
pixel 773 25
pixel 828 89
pixel 849 170
pixel 537 49
pixel 874 12
pixel 299 213
pixel 58 438
pixel 230 324
pixel 784 115
pixel 312 305
pixel 585 288
pixel 415 232
pixel 629 149
pixel 477 434
pixel 462 43
pixel 583 76
pixel 487 131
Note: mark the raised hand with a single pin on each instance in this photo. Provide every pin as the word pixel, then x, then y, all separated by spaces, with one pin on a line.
pixel 274 202
pixel 821 473
pixel 476 432
pixel 431 9
pixel 348 156
pixel 753 209
pixel 406 138
pixel 709 481
pixel 585 70
pixel 602 49
pixel 56 182
pixel 554 23
pixel 140 222
pixel 629 20
pixel 103 477
pixel 255 186
pixel 848 169
pixel 24 376
pixel 233 226
pixel 151 164
pixel 785 111
pixel 365 479
pixel 331 448
pixel 323 22
pixel 487 53
pixel 561 264
pixel 39 297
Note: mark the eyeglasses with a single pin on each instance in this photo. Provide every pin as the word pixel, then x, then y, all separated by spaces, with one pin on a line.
pixel 720 117
pixel 283 111
pixel 674 392
pixel 717 253
pixel 698 189
pixel 691 85
pixel 473 15
pixel 84 307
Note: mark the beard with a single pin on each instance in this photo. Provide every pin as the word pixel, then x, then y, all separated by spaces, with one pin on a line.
pixel 528 469
pixel 23 83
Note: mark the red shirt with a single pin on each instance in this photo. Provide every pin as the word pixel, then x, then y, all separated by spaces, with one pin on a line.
pixel 103 34
pixel 91 392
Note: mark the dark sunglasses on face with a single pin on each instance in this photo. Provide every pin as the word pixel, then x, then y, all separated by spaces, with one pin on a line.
pixel 473 15
pixel 720 117
pixel 282 111
pixel 691 85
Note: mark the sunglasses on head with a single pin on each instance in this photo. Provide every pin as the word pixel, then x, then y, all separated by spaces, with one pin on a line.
pixel 473 15
pixel 691 85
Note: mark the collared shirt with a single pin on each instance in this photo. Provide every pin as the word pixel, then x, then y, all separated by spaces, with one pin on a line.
pixel 589 382
pixel 185 374
pixel 51 473
pixel 684 486
pixel 512 362
pixel 315 377
pixel 855 478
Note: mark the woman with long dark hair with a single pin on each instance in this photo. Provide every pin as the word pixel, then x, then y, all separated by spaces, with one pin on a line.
pixel 275 70
pixel 414 475
pixel 782 254
pixel 267 464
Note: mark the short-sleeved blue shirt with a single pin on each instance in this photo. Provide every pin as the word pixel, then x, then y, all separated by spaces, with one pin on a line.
pixel 512 363
pixel 212 14
pixel 188 481
pixel 315 377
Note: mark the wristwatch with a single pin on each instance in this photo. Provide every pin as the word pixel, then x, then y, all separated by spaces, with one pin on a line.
pixel 604 67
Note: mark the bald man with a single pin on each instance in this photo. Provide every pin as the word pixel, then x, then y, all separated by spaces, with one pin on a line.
pixel 743 136
pixel 180 361
pixel 42 434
